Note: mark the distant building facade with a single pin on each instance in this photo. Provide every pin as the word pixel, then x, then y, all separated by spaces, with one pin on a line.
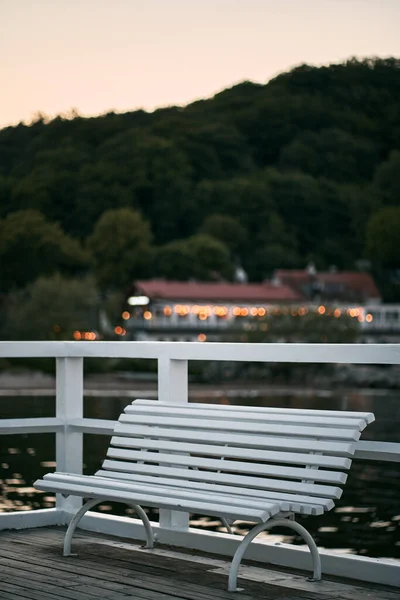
pixel 203 311
pixel 346 287
pixel 184 310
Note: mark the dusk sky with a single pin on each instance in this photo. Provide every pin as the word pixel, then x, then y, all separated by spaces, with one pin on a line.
pixel 102 55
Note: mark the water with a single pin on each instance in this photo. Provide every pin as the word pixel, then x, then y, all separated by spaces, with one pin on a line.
pixel 365 521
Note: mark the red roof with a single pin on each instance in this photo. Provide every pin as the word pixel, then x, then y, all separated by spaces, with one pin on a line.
pixel 360 284
pixel 217 292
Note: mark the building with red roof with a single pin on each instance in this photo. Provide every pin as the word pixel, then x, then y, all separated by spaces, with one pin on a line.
pixel 346 287
pixel 190 310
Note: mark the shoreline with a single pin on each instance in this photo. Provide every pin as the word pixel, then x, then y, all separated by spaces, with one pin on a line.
pixel 119 385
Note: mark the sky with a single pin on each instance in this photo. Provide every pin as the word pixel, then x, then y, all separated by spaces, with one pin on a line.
pixel 101 55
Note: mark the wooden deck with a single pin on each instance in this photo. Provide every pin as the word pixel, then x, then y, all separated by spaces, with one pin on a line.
pixel 32 568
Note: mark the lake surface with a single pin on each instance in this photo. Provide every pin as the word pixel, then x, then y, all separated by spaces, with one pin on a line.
pixel 365 521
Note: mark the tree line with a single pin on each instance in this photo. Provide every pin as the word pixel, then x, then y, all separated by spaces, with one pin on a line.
pixel 304 168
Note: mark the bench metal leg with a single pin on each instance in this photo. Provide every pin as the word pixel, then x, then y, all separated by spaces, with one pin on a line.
pixel 227 524
pixel 233 572
pixel 91 504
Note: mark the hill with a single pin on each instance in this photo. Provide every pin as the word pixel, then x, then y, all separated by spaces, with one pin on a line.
pixel 299 165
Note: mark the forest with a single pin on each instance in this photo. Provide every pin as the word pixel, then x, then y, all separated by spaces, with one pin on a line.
pixel 304 168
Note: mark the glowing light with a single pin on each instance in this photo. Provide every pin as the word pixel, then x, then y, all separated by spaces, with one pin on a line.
pixel 167 311
pixel 321 310
pixel 236 311
pixel 360 318
pixel 244 312
pixel 261 312
pixel 77 335
pixel 369 318
pixel 202 337
pixel 123 332
pixel 337 312
pixel 138 300
pixel 302 311
pixel 118 330
pixel 253 312
pixel 147 315
pixel 126 315
pixel 203 316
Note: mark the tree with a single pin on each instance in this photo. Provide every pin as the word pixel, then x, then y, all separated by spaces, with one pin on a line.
pixel 387 179
pixel 51 308
pixel 331 153
pixel 383 234
pixel 199 257
pixel 226 229
pixel 31 246
pixel 121 248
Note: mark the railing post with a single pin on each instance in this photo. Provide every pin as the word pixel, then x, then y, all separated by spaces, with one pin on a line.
pixel 69 405
pixel 173 389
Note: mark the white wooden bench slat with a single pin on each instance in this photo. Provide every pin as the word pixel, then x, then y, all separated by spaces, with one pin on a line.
pixel 249 440
pixel 229 465
pixel 183 504
pixel 265 483
pixel 309 503
pixel 198 495
pixel 278 418
pixel 253 427
pixel 296 458
pixel 367 416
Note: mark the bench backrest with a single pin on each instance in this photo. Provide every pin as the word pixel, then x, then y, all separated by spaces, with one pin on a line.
pixel 296 451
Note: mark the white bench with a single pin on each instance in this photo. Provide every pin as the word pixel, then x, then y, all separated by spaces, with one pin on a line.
pixel 263 465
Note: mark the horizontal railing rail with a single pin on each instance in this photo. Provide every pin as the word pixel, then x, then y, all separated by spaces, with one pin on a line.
pixel 243 352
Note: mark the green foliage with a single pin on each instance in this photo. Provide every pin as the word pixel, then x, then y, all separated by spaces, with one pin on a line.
pixel 387 179
pixel 331 153
pixel 225 229
pixel 200 256
pixel 383 235
pixel 298 166
pixel 51 308
pixel 121 248
pixel 31 246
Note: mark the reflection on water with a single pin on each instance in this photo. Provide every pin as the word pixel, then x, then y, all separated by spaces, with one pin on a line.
pixel 366 520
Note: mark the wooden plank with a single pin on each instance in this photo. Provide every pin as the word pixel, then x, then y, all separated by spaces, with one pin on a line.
pixel 187 505
pixel 155 489
pixel 208 449
pixel 274 496
pixel 251 468
pixel 230 415
pixel 251 440
pixel 367 416
pixel 262 483
pixel 252 427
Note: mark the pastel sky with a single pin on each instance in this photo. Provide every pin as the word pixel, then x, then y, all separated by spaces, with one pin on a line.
pixel 101 55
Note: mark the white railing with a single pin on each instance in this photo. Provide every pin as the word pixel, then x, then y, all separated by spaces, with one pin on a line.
pixel 69 425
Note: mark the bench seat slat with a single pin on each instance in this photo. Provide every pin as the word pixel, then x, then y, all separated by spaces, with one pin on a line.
pixel 262 483
pixel 198 495
pixel 233 452
pixel 249 427
pixel 336 448
pixel 368 417
pixel 109 493
pixel 309 504
pixel 230 465
pixel 326 420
